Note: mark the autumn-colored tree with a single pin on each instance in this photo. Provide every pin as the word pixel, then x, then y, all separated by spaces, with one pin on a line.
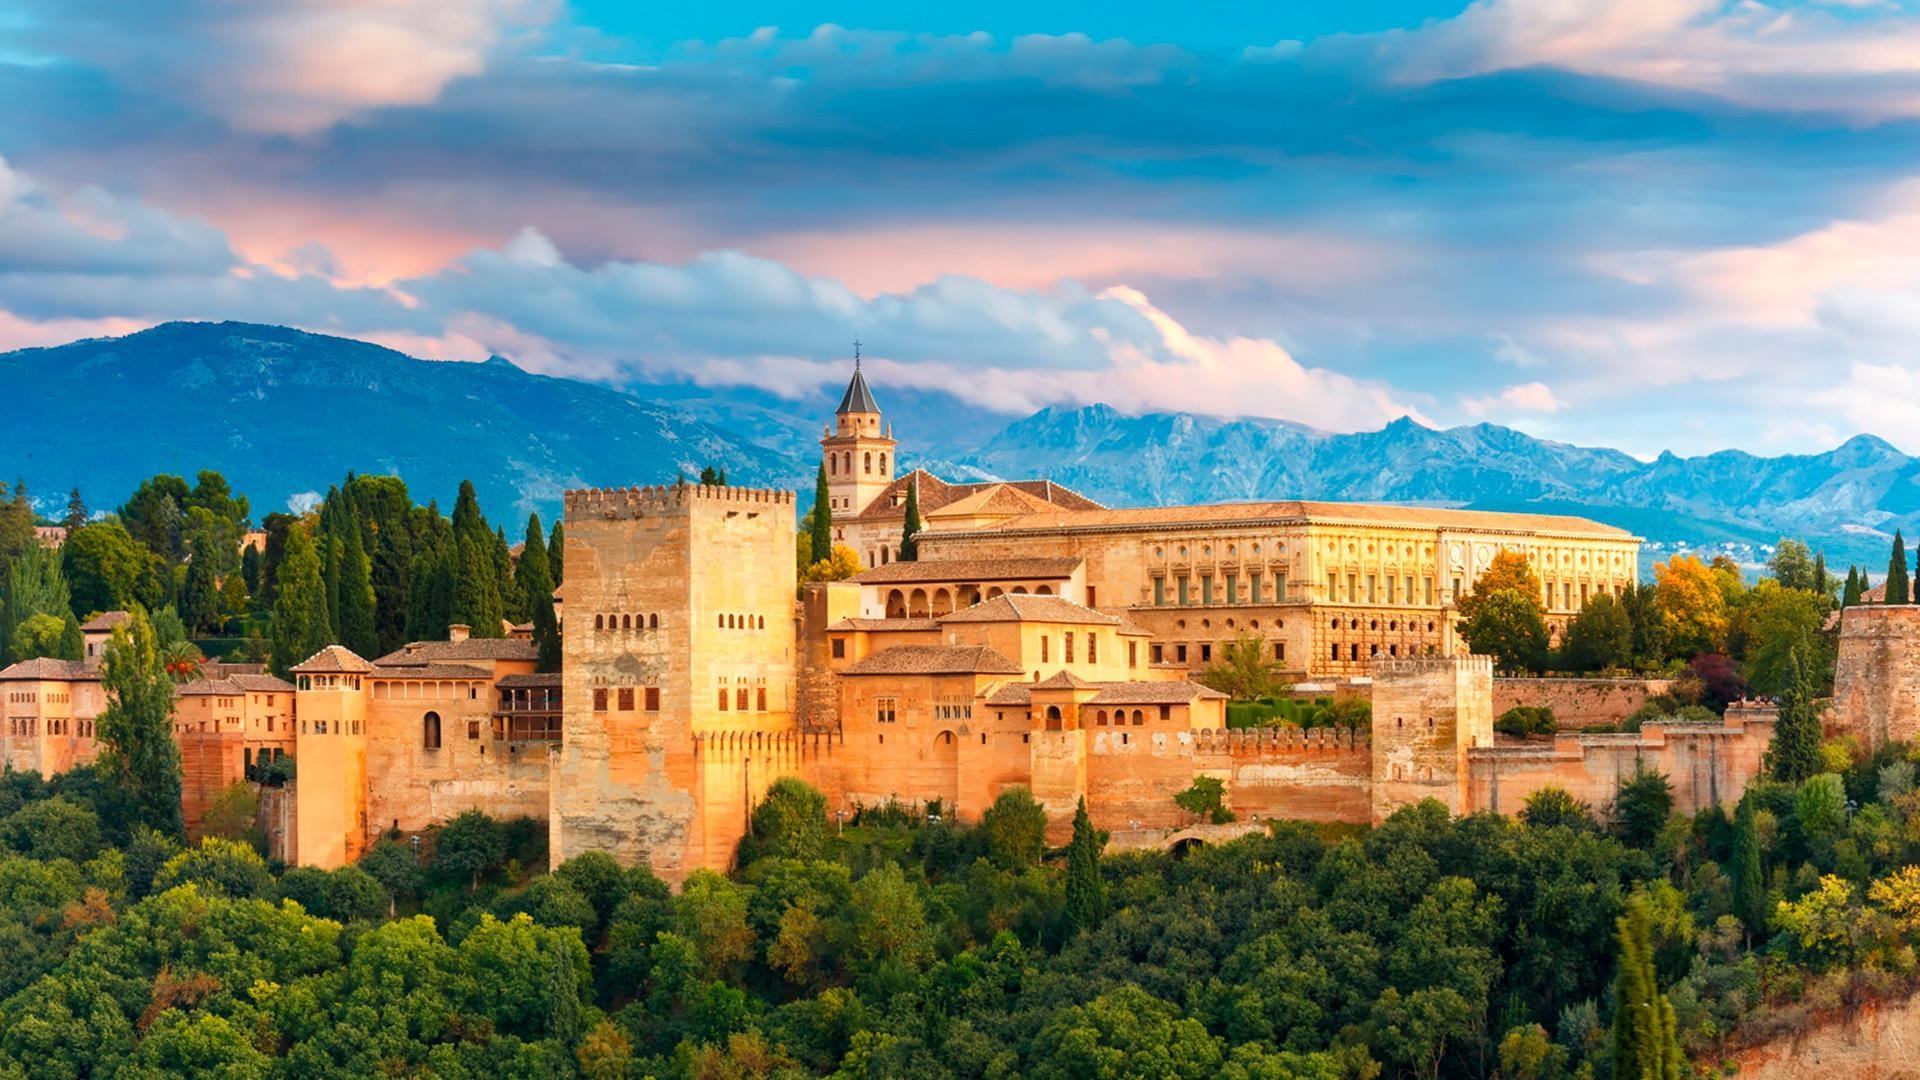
pixel 1508 570
pixel 1692 605
pixel 844 564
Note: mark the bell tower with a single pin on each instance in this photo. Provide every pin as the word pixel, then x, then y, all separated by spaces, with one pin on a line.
pixel 858 450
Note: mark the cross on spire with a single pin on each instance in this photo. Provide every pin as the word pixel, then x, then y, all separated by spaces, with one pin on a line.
pixel 856 353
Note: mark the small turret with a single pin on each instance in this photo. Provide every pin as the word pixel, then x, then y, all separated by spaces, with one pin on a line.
pixel 858 454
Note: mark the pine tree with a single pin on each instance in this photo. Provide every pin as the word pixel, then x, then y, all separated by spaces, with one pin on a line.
pixel 1749 887
pixel 1897 572
pixel 1086 889
pixel 300 624
pixel 467 519
pixel 909 546
pixel 1645 1043
pixel 476 589
pixel 822 519
pixel 77 513
pixel 1795 753
pixel 356 621
pixel 537 588
pixel 1850 595
pixel 556 552
pixel 1822 582
pixel 139 761
pixel 513 605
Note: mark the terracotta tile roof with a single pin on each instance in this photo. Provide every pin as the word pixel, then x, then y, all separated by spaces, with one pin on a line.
pixel 1026 607
pixel 261 684
pixel 333 660
pixel 935 494
pixel 886 624
pixel 1294 511
pixel 1164 692
pixel 1009 694
pixel 105 621
pixel 210 688
pixel 1063 680
pixel 1042 568
pixel 999 500
pixel 432 652
pixel 545 678
pixel 49 669
pixel 935 660
pixel 430 671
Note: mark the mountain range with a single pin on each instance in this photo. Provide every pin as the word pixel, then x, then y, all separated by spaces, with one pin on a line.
pixel 283 412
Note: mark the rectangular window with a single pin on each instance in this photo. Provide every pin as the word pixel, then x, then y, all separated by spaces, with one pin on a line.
pixel 1090 600
pixel 1253 583
pixel 1206 589
pixel 1159 591
pixel 760 700
pixel 1067 649
pixel 1180 654
pixel 1279 588
pixel 1409 590
pixel 723 699
pixel 1566 594
pixel 1390 590
pixel 1133 654
pixel 1206 653
pixel 1333 589
pixel 1181 582
pixel 1333 652
pixel 1158 654
pixel 883 709
pixel 600 699
pixel 1093 648
pixel 1166 712
pixel 1583 594
pixel 1370 595
pixel 653 699
pixel 1279 650
pixel 1233 589
pixel 473 730
pixel 740 699
pixel 1456 588
pixel 1353 587
pixel 626 699
pixel 1043 648
pixel 839 648
pixel 1429 584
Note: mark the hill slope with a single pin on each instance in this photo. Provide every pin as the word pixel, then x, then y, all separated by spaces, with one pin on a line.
pixel 282 412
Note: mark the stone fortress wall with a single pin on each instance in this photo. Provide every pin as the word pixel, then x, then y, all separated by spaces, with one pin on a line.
pixel 1876 676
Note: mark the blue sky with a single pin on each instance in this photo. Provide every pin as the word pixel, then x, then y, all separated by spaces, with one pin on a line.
pixel 1670 224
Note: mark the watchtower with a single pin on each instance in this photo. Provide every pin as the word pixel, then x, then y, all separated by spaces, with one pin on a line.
pixel 858 451
pixel 1427 712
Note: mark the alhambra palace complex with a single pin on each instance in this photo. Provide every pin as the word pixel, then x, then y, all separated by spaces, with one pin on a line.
pixel 1040 639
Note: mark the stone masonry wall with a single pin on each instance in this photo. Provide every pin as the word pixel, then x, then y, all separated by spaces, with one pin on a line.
pixel 1579 703
pixel 1876 677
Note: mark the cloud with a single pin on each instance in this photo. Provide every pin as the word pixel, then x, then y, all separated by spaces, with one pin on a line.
pixel 1533 397
pixel 287 67
pixel 1789 57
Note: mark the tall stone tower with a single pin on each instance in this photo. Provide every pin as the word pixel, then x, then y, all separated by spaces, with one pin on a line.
pixel 1876 677
pixel 330 793
pixel 679 641
pixel 1427 713
pixel 858 451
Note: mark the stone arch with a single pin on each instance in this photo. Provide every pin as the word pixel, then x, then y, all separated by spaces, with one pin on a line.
pixel 626 622
pixel 599 622
pixel 896 604
pixel 1044 590
pixel 1018 590
pixel 430 731
pixel 946 758
pixel 969 595
pixel 1139 718
pixel 942 603
pixel 995 592
pixel 917 604
pixel 1054 720
pixel 1100 718
pixel 653 622
pixel 883 464
pixel 869 462
pixel 833 464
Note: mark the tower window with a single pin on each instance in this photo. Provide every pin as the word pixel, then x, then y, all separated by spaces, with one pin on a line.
pixel 430 731
pixel 868 462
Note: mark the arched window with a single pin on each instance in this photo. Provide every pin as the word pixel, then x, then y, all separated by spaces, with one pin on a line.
pixel 883 464
pixel 653 622
pixel 626 622
pixel 599 622
pixel 1053 718
pixel 833 464
pixel 1139 718
pixel 869 462
pixel 1100 718
pixel 763 623
pixel 430 731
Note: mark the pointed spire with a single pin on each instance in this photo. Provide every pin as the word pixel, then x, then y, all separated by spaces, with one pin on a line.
pixel 857 399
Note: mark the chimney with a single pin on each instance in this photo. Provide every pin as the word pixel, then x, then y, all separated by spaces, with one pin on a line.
pixel 458 632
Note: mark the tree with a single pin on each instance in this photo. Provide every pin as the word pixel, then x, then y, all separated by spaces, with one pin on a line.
pixel 32 585
pixel 1793 566
pixel 355 622
pixel 105 567
pixel 139 760
pixel 822 518
pixel 476 592
pixel 77 512
pixel 789 823
pixel 1508 625
pixel 1641 805
pixel 1795 753
pixel 1897 592
pixel 1649 627
pixel 910 528
pixel 1553 806
pixel 1645 1043
pixel 1508 570
pixel 1748 871
pixel 469 848
pixel 1600 637
pixel 843 564
pixel 1850 595
pixel 40 635
pixel 1692 604
pixel 300 623
pixel 1773 621
pixel 1524 720
pixel 534 577
pixel 1086 889
pixel 1244 670
pixel 1205 800
pixel 556 552
pixel 1015 827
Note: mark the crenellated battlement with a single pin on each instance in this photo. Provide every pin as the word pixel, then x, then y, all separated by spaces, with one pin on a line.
pixel 1263 740
pixel 1404 667
pixel 630 502
pixel 732 743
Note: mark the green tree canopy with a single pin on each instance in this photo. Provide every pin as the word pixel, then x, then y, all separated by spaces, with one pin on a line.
pixel 139 759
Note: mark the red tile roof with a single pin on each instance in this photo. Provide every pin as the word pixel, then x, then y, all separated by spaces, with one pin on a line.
pixel 935 660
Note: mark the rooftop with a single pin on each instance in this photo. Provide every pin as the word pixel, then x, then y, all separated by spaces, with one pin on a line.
pixel 433 652
pixel 234 686
pixel 886 624
pixel 105 622
pixel 857 399
pixel 1163 692
pixel 1291 511
pixel 549 679
pixel 1027 607
pixel 49 669
pixel 935 660
pixel 936 494
pixel 333 660
pixel 1017 569
pixel 431 671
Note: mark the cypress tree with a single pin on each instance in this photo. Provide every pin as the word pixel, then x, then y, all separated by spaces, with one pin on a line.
pixel 909 547
pixel 73 644
pixel 1749 888
pixel 139 761
pixel 476 588
pixel 356 629
pixel 1850 595
pixel 467 519
pixel 77 513
pixel 1897 572
pixel 1822 583
pixel 537 589
pixel 1795 753
pixel 1645 1044
pixel 1086 889
pixel 556 550
pixel 513 605
pixel 823 518
pixel 300 624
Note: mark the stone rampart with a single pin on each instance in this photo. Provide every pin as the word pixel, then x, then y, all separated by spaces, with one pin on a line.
pixel 1876 676
pixel 1579 703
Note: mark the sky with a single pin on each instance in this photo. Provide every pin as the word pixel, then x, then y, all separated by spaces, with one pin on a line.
pixel 1651 224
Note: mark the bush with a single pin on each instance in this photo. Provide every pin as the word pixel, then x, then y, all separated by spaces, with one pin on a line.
pixel 1524 720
